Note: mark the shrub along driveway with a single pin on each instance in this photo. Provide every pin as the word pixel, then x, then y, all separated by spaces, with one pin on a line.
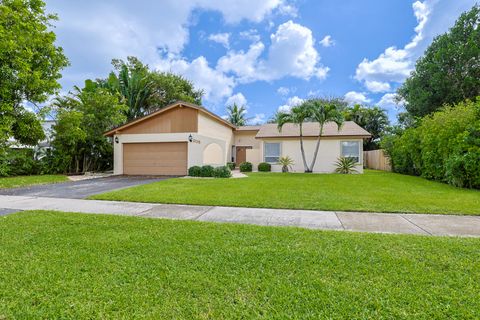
pixel 374 191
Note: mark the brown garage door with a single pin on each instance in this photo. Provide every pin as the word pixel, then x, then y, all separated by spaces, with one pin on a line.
pixel 159 158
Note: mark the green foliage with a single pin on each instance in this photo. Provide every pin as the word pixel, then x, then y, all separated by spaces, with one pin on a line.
pixel 222 172
pixel 82 117
pixel 345 165
pixel 372 119
pixel 264 167
pixel 231 165
pixel 206 171
pixel 445 146
pixel 449 71
pixel 144 90
pixel 17 162
pixel 316 110
pixel 30 66
pixel 195 171
pixel 236 115
pixel 245 167
pixel 286 163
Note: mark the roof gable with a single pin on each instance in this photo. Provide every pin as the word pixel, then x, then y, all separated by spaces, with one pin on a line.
pixel 162 110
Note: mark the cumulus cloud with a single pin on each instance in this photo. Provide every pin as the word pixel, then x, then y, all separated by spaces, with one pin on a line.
pixel 353 97
pixel 291 53
pixel 215 84
pixel 258 119
pixel 327 41
pixel 389 100
pixel 251 34
pixel 238 99
pixel 291 102
pixel 221 38
pixel 394 65
pixel 283 91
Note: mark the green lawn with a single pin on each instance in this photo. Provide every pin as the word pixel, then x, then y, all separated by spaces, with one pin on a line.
pixel 66 265
pixel 24 181
pixel 373 191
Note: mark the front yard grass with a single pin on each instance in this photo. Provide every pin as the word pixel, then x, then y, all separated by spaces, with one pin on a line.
pixel 57 265
pixel 24 181
pixel 374 191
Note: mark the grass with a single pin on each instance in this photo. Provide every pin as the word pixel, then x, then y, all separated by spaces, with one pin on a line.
pixel 24 181
pixel 63 265
pixel 374 191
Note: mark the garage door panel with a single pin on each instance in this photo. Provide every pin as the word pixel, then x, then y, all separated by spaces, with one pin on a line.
pixel 159 158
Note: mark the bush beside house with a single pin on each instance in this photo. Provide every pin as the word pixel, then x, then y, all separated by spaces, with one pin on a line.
pixel 245 167
pixel 264 167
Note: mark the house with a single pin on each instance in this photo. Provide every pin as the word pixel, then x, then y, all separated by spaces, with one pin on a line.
pixel 171 140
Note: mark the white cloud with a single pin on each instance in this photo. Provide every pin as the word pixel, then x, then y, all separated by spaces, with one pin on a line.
pixel 283 91
pixel 222 38
pixel 215 84
pixel 291 102
pixel 291 53
pixel 251 35
pixel 394 65
pixel 327 41
pixel 288 10
pixel 258 119
pixel 353 97
pixel 238 99
pixel 377 86
pixel 389 101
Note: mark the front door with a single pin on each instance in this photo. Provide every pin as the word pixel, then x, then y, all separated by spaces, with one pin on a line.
pixel 241 155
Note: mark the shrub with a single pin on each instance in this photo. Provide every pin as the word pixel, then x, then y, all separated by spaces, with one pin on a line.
pixel 445 146
pixel 245 167
pixel 264 167
pixel 286 163
pixel 345 165
pixel 195 171
pixel 206 171
pixel 231 165
pixel 222 172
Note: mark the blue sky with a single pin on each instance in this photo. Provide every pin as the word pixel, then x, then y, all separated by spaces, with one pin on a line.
pixel 267 54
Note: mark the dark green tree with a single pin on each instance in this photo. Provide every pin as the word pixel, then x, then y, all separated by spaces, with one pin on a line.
pixel 373 119
pixel 237 115
pixel 449 72
pixel 30 65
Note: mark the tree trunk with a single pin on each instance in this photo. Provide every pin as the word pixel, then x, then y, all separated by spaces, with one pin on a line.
pixel 316 148
pixel 303 150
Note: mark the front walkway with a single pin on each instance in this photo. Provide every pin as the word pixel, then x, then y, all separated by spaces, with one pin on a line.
pixel 423 224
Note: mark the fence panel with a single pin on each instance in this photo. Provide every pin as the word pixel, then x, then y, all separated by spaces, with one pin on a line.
pixel 376 159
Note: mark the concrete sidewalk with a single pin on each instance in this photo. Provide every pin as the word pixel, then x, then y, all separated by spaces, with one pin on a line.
pixel 423 224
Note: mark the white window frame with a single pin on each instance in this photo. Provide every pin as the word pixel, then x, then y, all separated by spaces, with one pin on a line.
pixel 279 152
pixel 359 149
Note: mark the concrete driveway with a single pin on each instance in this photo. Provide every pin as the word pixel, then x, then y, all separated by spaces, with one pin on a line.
pixel 80 189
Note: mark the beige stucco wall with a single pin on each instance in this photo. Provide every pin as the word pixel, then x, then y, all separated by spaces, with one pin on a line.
pixel 328 153
pixel 195 149
pixel 247 139
pixel 213 155
pixel 209 127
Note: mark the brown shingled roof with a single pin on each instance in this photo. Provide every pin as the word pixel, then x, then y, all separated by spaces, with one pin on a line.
pixel 310 129
pixel 248 128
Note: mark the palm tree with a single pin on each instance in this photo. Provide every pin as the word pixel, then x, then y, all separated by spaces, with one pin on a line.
pixel 236 115
pixel 323 111
pixel 297 115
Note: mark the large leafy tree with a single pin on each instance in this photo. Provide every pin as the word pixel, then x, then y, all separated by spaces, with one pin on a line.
pixel 449 72
pixel 82 117
pixel 144 90
pixel 30 65
pixel 373 119
pixel 237 115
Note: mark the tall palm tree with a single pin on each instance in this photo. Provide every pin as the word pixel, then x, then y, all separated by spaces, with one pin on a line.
pixel 237 115
pixel 297 115
pixel 323 111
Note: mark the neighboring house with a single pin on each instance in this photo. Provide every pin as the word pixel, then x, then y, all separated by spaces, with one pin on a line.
pixel 47 126
pixel 172 139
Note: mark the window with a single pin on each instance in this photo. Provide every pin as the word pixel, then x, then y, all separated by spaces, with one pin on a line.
pixel 271 152
pixel 351 149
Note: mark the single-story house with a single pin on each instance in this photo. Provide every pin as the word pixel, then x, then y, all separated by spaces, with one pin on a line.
pixel 179 136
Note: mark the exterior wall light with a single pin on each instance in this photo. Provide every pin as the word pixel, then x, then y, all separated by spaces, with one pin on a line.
pixel 116 140
pixel 190 138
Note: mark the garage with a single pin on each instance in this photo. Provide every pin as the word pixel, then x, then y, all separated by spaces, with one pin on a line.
pixel 155 158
